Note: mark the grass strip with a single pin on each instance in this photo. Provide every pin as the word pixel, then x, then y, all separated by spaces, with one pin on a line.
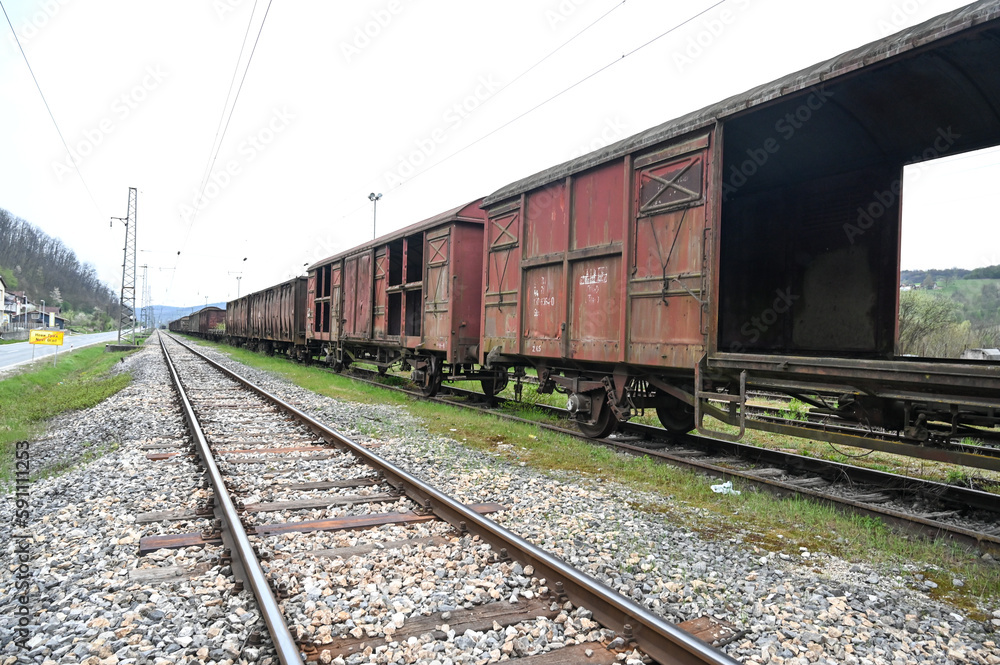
pixel 80 380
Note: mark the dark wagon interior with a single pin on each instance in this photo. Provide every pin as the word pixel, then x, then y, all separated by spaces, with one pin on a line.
pixel 812 195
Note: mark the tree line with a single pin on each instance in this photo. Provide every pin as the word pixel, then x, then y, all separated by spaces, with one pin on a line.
pixel 45 269
pixel 942 323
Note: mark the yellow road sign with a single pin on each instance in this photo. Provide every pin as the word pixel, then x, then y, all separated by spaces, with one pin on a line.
pixel 51 337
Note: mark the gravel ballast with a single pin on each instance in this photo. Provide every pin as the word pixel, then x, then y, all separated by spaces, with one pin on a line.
pixel 796 607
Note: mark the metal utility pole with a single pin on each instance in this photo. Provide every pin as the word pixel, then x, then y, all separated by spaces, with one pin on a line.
pixel 150 319
pixel 127 301
pixel 145 298
pixel 373 197
pixel 239 276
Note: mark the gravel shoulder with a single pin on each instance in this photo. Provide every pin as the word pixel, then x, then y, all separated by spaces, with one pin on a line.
pixel 804 608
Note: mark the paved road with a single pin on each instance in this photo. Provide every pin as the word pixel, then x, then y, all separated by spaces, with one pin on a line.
pixel 20 353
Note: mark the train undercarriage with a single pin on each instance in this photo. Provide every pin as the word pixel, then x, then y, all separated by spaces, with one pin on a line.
pixel 908 417
pixel 428 369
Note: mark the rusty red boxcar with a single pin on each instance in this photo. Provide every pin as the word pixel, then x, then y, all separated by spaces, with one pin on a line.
pixel 755 242
pixel 413 296
pixel 210 321
pixel 272 319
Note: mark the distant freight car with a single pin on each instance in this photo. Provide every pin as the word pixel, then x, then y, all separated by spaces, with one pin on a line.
pixel 179 325
pixel 413 296
pixel 270 320
pixel 210 321
pixel 206 322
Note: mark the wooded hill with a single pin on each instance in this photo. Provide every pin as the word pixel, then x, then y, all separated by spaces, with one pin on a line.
pixel 44 268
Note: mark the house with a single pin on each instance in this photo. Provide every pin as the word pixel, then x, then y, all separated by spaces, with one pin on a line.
pixel 38 319
pixel 11 304
pixel 8 311
pixel 21 299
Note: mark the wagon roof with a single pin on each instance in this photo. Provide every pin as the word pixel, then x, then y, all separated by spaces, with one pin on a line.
pixel 231 303
pixel 454 213
pixel 937 28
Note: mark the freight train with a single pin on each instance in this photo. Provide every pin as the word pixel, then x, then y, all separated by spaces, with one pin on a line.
pixel 751 245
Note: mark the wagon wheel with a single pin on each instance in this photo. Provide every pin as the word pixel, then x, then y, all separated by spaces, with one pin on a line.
pixel 339 361
pixel 675 416
pixel 604 425
pixel 496 383
pixel 382 369
pixel 432 378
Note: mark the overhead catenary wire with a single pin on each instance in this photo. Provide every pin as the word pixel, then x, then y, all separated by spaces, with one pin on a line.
pixel 76 167
pixel 514 80
pixel 519 76
pixel 560 93
pixel 210 162
pixel 217 144
pixel 552 97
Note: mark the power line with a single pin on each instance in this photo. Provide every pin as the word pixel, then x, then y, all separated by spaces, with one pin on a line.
pixel 76 166
pixel 217 147
pixel 549 55
pixel 560 93
pixel 235 99
pixel 222 116
pixel 553 97
pixel 515 80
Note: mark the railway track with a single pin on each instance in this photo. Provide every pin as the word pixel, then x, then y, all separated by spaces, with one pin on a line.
pixel 279 527
pixel 930 509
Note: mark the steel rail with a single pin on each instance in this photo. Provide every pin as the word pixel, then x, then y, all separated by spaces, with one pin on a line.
pixel 287 650
pixel 665 643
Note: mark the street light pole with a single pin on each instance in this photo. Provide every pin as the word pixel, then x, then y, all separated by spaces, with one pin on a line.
pixel 43 313
pixel 373 197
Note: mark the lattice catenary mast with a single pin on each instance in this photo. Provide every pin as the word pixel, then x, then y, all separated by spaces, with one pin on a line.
pixel 126 317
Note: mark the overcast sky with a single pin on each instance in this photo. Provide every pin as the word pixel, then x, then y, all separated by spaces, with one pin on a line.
pixel 424 101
